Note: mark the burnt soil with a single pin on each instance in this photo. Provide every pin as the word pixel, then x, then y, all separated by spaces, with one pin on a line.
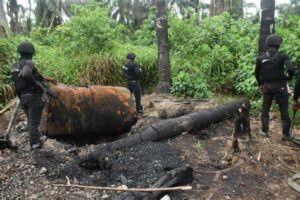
pixel 259 171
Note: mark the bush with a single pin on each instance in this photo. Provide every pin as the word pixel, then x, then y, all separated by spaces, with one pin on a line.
pixel 220 49
pixel 102 71
pixel 7 46
pixel 187 85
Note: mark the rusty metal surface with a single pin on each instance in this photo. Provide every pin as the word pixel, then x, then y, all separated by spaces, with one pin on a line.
pixel 88 110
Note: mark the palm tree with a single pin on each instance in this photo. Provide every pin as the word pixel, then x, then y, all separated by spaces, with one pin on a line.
pixel 163 47
pixel 267 22
pixel 295 4
pixel 293 7
pixel 248 6
pixel 119 10
pixel 140 11
pixel 3 20
pixel 129 12
pixel 133 12
pixel 48 13
pixel 66 5
pixel 234 7
pixel 13 11
pixel 181 5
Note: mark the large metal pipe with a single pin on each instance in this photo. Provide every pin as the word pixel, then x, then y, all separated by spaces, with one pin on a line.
pixel 88 110
pixel 169 128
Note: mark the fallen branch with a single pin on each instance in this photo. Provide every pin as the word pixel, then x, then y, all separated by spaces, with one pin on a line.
pixel 4 139
pixel 181 175
pixel 264 189
pixel 9 106
pixel 238 164
pixel 177 112
pixel 12 118
pixel 289 147
pixel 181 188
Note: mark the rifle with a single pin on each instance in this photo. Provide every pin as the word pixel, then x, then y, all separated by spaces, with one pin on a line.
pixel 48 93
pixel 4 139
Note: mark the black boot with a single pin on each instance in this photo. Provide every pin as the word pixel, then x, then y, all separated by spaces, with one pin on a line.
pixel 139 109
pixel 39 144
pixel 286 125
pixel 264 127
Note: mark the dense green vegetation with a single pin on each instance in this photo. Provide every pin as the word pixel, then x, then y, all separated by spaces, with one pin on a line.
pixel 216 56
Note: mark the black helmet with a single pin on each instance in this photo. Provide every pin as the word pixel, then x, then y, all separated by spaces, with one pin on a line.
pixel 130 56
pixel 26 47
pixel 273 41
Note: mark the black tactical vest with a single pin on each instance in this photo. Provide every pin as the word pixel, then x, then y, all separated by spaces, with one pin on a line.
pixel 130 70
pixel 23 84
pixel 272 68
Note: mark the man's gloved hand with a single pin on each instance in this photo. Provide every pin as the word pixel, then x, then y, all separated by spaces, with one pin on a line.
pixel 260 89
pixel 296 105
pixel 45 97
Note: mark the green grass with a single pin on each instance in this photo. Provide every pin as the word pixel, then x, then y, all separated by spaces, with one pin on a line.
pixel 199 146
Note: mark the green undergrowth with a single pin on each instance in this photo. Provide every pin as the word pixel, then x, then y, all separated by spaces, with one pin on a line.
pixel 215 57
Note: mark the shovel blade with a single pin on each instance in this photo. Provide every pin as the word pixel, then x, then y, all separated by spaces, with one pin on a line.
pixel 6 144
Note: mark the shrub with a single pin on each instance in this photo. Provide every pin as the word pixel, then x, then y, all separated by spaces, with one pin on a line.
pixel 102 71
pixel 189 85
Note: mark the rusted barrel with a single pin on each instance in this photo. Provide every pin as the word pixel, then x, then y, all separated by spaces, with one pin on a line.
pixel 88 110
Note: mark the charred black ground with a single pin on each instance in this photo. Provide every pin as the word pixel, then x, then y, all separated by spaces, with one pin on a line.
pixel 258 171
pixel 139 166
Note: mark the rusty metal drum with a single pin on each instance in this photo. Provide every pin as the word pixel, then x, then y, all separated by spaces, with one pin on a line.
pixel 103 110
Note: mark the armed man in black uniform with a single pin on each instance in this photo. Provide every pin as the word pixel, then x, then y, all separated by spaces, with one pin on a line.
pixel 133 73
pixel 28 84
pixel 272 80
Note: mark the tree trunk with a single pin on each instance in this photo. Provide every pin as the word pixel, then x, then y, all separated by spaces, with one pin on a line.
pixel 163 47
pixel 28 20
pixel 3 20
pixel 267 23
pixel 234 7
pixel 216 7
pixel 13 13
pixel 174 177
pixel 167 129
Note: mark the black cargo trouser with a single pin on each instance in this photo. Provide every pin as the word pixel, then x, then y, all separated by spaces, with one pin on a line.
pixel 277 90
pixel 135 88
pixel 33 106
